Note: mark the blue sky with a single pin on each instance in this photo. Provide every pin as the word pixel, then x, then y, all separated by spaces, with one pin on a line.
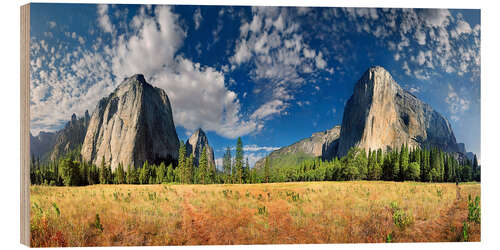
pixel 270 75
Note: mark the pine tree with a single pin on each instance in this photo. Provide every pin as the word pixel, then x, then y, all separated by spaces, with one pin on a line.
pixel 170 173
pixel 144 173
pixel 246 172
pixel 181 169
pixel 189 169
pixel 69 172
pixel 103 172
pixel 266 170
pixel 371 162
pixel 239 160
pixel 413 172
pixel 475 169
pixel 203 166
pixel 403 162
pixel 120 174
pixel 395 166
pixel 161 173
pixel 226 165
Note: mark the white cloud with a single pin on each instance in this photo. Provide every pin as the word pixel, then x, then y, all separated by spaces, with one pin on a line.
pixel 253 148
pixel 420 36
pixel 414 90
pixel 320 63
pixel 197 18
pixel 83 77
pixel 52 24
pixel 272 44
pixel 457 104
pixel 267 109
pixel 435 17
pixel 462 27
pixel 242 54
pixel 103 18
pixel 254 157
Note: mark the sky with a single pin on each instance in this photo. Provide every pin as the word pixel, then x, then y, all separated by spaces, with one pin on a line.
pixel 270 75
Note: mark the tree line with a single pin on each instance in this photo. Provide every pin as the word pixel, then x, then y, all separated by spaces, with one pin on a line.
pixel 72 170
pixel 426 165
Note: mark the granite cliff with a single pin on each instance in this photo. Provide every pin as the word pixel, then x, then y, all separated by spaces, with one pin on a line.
pixel 132 125
pixel 380 114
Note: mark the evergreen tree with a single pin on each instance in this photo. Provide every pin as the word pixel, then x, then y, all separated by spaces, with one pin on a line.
pixel 69 172
pixel 103 173
pixel 246 172
pixel 413 171
pixel 266 170
pixel 132 175
pixel 395 165
pixel 475 169
pixel 161 174
pixel 403 162
pixel 144 174
pixel 120 174
pixel 189 169
pixel 181 168
pixel 371 163
pixel 170 173
pixel 239 160
pixel 226 165
pixel 203 167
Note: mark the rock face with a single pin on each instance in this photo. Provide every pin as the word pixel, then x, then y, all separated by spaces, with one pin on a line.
pixel 195 144
pixel 380 114
pixel 321 144
pixel 71 136
pixel 132 125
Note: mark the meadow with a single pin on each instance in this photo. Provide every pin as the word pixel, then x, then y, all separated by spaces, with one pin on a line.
pixel 277 213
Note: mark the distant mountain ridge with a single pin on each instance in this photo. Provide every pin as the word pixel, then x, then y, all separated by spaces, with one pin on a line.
pixel 320 144
pixel 52 145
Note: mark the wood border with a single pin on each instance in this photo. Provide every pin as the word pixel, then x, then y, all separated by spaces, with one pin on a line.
pixel 25 124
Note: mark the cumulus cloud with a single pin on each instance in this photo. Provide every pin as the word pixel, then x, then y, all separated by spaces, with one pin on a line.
pixel 80 79
pixel 435 17
pixel 462 27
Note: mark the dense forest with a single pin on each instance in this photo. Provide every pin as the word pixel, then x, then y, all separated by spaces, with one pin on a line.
pixel 426 165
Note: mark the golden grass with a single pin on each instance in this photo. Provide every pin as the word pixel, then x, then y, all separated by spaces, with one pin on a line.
pixel 279 213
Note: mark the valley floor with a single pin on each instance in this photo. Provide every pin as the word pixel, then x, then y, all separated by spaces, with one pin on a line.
pixel 278 213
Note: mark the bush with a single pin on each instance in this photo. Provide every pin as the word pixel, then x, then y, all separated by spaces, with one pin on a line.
pixel 401 218
pixel 474 210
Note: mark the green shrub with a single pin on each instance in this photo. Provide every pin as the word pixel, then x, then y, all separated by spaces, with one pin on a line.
pixel 401 218
pixel 262 210
pixel 97 223
pixel 465 231
pixel 474 210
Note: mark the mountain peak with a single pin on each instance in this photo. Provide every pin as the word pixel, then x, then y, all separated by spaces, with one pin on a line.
pixel 195 144
pixel 139 78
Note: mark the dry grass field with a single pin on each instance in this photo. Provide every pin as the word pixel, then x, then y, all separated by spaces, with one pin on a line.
pixel 280 213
